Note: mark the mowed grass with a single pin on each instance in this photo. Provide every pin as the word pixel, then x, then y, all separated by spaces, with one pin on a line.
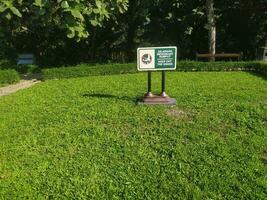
pixel 87 138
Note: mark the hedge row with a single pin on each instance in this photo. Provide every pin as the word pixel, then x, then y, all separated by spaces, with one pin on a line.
pixel 8 76
pixel 88 70
pixel 109 69
pixel 262 68
pixel 220 66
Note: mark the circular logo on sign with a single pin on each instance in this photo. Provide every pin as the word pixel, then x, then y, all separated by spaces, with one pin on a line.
pixel 146 59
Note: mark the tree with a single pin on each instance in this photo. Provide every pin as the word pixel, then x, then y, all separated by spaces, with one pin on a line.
pixel 73 31
pixel 241 26
pixel 211 27
pixel 41 25
pixel 70 16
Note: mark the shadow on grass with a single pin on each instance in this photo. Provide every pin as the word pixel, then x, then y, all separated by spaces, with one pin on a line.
pixel 259 74
pixel 110 96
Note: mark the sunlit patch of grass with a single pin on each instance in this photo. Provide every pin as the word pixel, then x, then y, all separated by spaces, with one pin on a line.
pixel 87 138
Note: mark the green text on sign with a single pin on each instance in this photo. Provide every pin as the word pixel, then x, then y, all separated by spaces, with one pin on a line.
pixel 156 58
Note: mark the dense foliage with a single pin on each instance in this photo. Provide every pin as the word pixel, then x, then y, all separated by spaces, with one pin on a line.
pixel 43 26
pixel 85 138
pixel 8 76
pixel 69 32
pixel 109 69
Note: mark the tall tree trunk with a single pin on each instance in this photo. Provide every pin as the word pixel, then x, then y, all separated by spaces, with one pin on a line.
pixel 211 27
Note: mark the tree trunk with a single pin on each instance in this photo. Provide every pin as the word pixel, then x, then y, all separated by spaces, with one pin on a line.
pixel 212 28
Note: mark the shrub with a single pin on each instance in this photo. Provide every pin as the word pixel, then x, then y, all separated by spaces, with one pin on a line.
pixel 218 66
pixel 6 64
pixel 27 69
pixel 3 62
pixel 8 76
pixel 88 70
pixel 23 69
pixel 262 68
pixel 109 69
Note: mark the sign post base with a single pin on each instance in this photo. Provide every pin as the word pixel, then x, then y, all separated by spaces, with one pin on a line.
pixel 149 95
pixel 157 100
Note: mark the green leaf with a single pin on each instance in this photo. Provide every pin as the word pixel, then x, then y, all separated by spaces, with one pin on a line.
pixel 77 14
pixel 94 22
pixel 98 3
pixel 96 11
pixel 8 4
pixel 8 16
pixel 65 4
pixel 70 33
pixel 15 11
pixel 38 3
pixel 2 9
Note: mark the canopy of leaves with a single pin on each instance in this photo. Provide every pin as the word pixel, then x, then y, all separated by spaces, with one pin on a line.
pixel 70 16
pixel 73 31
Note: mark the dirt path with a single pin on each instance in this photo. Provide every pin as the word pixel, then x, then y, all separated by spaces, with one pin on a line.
pixel 23 84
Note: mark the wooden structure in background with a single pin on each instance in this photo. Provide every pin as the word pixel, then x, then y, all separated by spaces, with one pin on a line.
pixel 230 56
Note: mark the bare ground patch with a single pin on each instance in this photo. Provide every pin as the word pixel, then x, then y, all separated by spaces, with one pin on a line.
pixel 19 86
pixel 178 113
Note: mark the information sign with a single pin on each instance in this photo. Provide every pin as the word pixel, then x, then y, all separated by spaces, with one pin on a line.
pixel 156 58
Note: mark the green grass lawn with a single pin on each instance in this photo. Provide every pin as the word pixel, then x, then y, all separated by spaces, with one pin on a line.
pixel 87 138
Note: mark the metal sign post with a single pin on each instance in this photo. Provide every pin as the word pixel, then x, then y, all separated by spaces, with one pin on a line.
pixel 163 93
pixel 149 93
pixel 157 59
